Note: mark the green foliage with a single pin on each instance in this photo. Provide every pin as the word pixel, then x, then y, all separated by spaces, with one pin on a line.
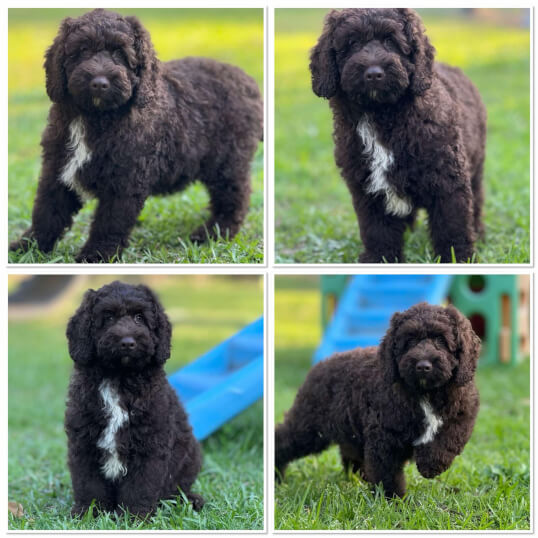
pixel 203 311
pixel 315 221
pixel 487 487
pixel 161 236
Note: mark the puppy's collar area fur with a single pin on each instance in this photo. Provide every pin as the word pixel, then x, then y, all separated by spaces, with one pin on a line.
pixel 112 468
pixel 79 154
pixel 432 423
pixel 380 161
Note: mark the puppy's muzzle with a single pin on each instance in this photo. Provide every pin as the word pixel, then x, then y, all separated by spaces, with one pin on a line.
pixel 99 86
pixel 128 343
pixel 374 75
pixel 423 366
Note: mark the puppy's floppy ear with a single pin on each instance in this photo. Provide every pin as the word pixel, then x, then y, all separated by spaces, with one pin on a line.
pixel 468 346
pixel 148 65
pixel 422 51
pixel 56 82
pixel 79 330
pixel 162 330
pixel 325 77
pixel 387 349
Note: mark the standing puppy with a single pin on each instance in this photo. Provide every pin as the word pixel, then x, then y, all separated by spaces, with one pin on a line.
pixel 414 396
pixel 124 126
pixel 129 439
pixel 409 132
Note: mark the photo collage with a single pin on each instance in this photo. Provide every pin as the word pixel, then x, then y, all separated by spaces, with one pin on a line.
pixel 269 269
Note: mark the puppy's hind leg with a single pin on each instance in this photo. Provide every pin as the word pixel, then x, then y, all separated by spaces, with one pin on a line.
pixel 229 192
pixel 294 441
pixel 352 458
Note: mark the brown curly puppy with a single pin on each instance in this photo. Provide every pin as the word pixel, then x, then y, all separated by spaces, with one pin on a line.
pixel 129 439
pixel 414 396
pixel 124 126
pixel 409 132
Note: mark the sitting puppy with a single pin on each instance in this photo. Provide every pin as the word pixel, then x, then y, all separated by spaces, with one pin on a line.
pixel 409 132
pixel 124 126
pixel 414 396
pixel 129 439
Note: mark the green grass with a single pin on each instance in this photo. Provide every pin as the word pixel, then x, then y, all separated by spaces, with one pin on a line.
pixel 486 488
pixel 231 480
pixel 315 221
pixel 161 236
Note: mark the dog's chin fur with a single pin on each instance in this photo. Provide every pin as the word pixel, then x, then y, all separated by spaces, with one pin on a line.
pixel 380 410
pixel 129 440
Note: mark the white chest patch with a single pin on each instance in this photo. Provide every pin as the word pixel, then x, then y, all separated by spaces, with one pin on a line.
pixel 381 161
pixel 79 154
pixel 432 423
pixel 112 468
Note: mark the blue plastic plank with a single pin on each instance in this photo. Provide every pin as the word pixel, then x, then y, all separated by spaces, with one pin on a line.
pixel 224 381
pixel 363 313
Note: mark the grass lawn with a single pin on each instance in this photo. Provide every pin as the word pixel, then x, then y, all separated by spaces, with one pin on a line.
pixel 315 221
pixel 231 479
pixel 162 232
pixel 486 488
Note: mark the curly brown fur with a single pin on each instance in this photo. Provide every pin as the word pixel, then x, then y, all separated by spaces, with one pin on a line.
pixel 125 126
pixel 414 396
pixel 409 132
pixel 129 439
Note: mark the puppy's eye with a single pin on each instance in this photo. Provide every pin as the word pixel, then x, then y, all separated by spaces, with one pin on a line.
pixel 138 318
pixel 108 316
pixel 119 55
pixel 388 42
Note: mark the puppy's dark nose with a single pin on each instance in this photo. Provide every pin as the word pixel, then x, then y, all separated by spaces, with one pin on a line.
pixel 423 366
pixel 99 84
pixel 127 342
pixel 374 73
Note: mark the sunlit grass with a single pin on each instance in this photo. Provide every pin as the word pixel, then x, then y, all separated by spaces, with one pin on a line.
pixel 315 221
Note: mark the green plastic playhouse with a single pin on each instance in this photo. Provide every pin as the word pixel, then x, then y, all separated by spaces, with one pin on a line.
pixel 497 306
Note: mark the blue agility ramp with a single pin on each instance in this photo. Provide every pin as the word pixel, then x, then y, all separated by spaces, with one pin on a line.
pixel 362 315
pixel 222 382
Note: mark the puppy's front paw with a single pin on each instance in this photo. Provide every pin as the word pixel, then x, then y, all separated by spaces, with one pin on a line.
pixel 78 510
pixel 196 500
pixel 88 257
pixel 372 257
pixel 24 243
pixel 20 244
pixel 96 255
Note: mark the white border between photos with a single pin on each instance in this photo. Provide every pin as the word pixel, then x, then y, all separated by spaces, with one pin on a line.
pixel 268 269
